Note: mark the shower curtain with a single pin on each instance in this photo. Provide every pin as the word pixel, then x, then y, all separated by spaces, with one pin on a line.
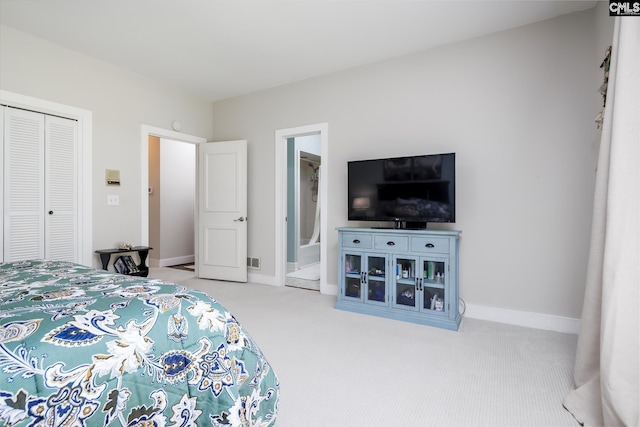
pixel 606 378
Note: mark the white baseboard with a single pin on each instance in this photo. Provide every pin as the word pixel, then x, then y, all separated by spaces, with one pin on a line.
pixel 329 289
pixel 261 279
pixel 527 319
pixel 523 318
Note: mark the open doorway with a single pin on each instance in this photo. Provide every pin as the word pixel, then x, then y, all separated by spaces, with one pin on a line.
pixel 172 201
pixel 282 212
pixel 303 212
pixel 146 133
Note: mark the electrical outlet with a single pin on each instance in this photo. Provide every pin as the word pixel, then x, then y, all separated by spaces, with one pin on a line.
pixel 113 200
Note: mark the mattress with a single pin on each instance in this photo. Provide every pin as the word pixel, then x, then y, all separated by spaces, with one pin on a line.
pixel 80 346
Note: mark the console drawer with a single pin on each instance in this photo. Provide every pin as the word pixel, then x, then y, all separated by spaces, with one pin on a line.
pixel 356 240
pixel 391 243
pixel 430 245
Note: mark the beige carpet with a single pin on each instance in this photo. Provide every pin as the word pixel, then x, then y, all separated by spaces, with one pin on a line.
pixel 345 369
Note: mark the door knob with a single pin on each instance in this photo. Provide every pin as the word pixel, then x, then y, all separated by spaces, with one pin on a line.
pixel 241 219
pixel 50 212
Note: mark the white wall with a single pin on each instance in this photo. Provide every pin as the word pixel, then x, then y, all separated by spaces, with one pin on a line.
pixel 120 102
pixel 517 107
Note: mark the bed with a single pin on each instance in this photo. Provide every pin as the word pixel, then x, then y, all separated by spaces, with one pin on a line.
pixel 81 346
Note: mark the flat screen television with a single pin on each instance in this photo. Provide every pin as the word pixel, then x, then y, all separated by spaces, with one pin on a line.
pixel 410 191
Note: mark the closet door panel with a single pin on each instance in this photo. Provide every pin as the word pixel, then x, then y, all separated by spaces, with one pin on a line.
pixel 61 190
pixel 23 185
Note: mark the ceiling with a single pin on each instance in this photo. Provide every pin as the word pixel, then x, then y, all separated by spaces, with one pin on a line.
pixel 220 49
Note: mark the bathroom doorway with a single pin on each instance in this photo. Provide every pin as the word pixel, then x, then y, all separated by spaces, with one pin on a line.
pixel 281 205
pixel 303 211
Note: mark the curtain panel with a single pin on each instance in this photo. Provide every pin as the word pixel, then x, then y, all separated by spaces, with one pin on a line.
pixel 606 378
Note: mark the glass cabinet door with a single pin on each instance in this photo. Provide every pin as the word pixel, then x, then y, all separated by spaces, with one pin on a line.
pixel 376 279
pixel 434 291
pixel 353 276
pixel 405 290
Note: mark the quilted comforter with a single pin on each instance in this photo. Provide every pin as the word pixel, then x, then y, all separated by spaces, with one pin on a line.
pixel 80 346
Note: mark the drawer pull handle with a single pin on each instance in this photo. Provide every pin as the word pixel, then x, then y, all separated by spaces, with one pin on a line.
pixel 391 243
pixel 356 241
pixel 430 245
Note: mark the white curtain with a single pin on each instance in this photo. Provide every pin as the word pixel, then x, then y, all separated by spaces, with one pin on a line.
pixel 606 373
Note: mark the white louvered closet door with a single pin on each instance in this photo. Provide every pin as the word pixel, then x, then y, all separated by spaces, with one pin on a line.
pixel 61 192
pixel 23 185
pixel 39 185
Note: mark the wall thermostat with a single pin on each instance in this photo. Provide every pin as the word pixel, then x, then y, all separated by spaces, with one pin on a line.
pixel 112 176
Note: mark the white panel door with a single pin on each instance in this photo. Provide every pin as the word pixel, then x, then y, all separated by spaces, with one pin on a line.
pixel 23 183
pixel 221 230
pixel 61 189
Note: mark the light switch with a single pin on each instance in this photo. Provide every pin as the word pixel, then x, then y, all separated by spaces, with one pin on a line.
pixel 113 200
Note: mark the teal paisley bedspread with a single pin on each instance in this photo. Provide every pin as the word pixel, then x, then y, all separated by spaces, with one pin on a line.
pixel 86 347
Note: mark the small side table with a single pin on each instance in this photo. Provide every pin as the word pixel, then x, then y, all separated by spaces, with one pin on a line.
pixel 143 252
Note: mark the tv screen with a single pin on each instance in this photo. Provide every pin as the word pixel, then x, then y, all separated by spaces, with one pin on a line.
pixel 415 190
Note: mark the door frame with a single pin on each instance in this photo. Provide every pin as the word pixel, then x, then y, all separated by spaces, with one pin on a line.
pixel 280 145
pixel 84 163
pixel 145 132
